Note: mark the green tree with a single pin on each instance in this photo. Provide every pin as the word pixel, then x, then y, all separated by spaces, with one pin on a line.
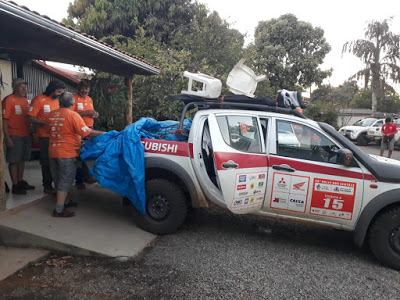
pixel 290 52
pixel 362 99
pixel 380 53
pixel 159 18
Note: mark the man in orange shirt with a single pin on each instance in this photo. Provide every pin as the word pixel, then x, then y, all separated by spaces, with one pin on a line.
pixel 17 135
pixel 84 107
pixel 66 129
pixel 38 113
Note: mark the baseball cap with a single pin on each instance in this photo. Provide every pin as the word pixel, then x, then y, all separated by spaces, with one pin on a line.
pixel 17 81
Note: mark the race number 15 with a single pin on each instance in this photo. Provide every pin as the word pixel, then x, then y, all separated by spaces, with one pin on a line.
pixel 333 203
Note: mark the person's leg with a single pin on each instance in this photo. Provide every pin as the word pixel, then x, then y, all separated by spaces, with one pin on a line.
pixel 21 169
pixel 390 147
pixel 13 170
pixel 47 179
pixel 66 171
pixel 14 157
pixel 26 150
pixel 79 180
pixel 383 147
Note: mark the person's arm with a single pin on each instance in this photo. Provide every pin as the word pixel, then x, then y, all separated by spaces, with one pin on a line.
pixel 33 120
pixel 7 138
pixel 95 133
pixel 91 113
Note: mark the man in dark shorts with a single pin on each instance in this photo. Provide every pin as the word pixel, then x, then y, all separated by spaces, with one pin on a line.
pixel 66 128
pixel 17 135
pixel 389 130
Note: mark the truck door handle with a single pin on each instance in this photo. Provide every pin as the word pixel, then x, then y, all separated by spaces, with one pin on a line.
pixel 230 165
pixel 283 168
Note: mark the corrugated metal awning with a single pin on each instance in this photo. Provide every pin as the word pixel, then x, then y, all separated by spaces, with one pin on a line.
pixel 27 34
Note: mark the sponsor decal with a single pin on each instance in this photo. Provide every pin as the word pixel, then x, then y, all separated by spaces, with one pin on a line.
pixel 241 187
pixel 237 202
pixel 242 178
pixel 297 201
pixel 261 176
pixel 243 193
pixel 252 186
pixel 290 192
pixel 298 186
pixel 18 110
pixel 246 200
pixel 333 198
pixel 252 177
pixel 282 182
pixel 252 200
pixel 256 192
pixel 260 184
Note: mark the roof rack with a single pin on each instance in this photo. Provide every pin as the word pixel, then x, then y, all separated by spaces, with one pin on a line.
pixel 239 105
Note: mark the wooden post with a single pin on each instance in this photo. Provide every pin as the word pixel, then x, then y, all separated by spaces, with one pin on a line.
pixel 128 111
pixel 3 197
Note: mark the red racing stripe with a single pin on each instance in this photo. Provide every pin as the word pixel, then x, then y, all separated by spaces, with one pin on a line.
pixel 165 147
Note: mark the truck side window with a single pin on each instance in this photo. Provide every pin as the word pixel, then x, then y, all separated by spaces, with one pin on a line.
pixel 241 133
pixel 300 141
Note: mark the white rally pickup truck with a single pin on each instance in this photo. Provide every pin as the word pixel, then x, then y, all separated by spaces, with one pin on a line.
pixel 273 162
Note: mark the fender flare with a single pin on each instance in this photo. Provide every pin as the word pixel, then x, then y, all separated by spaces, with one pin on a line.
pixel 178 170
pixel 370 211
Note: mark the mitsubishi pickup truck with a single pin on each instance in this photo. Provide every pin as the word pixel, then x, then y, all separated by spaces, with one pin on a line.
pixel 270 161
pixel 358 131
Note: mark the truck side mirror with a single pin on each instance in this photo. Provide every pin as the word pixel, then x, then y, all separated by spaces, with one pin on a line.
pixel 344 157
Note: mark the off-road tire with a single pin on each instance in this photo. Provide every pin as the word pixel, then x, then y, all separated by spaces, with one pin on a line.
pixel 166 207
pixel 362 140
pixel 384 237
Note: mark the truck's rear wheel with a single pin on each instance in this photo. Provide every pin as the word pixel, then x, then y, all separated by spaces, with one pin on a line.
pixel 166 208
pixel 384 238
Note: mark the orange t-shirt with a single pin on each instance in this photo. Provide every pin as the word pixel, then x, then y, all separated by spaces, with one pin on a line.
pixel 40 108
pixel 83 104
pixel 14 110
pixel 66 128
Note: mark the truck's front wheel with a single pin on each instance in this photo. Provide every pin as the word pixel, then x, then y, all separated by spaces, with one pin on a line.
pixel 384 238
pixel 362 140
pixel 166 208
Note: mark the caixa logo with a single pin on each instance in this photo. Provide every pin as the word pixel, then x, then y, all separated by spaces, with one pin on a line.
pixel 297 201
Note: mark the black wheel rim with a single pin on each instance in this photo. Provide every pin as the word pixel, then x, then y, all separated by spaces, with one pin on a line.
pixel 158 207
pixel 394 239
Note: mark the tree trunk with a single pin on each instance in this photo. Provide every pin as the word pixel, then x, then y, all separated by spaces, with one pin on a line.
pixel 128 111
pixel 3 197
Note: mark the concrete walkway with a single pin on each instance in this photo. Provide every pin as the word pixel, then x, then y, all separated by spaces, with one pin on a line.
pixel 102 226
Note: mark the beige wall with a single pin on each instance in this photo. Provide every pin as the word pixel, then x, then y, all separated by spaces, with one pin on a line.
pixel 5 69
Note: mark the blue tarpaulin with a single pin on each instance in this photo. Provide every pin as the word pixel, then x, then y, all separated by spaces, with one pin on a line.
pixel 119 156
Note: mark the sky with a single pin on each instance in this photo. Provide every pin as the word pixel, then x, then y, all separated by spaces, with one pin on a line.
pixel 342 21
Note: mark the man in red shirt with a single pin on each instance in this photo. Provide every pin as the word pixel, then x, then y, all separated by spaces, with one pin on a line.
pixel 38 112
pixel 66 129
pixel 389 129
pixel 84 107
pixel 17 135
